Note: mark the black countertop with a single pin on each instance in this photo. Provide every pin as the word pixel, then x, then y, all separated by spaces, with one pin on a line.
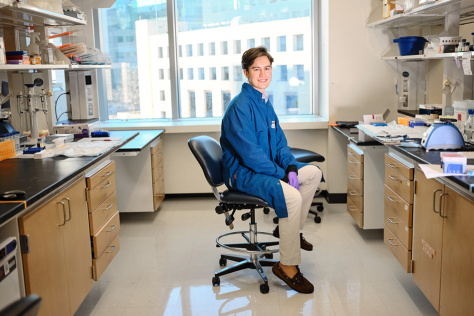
pixel 354 138
pixel 141 141
pixel 38 178
pixel 422 156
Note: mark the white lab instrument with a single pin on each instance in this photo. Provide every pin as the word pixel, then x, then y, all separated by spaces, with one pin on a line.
pixel 442 135
pixel 82 85
pixel 9 280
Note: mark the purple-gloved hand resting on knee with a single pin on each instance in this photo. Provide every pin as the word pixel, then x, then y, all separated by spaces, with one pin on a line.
pixel 293 180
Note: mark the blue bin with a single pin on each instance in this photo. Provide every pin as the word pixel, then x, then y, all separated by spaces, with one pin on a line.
pixel 410 45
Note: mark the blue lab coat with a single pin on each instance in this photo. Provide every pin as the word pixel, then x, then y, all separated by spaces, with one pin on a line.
pixel 255 154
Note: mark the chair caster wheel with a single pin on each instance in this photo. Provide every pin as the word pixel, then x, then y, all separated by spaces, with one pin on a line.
pixel 222 262
pixel 275 220
pixel 269 255
pixel 264 288
pixel 317 220
pixel 266 210
pixel 216 281
pixel 320 208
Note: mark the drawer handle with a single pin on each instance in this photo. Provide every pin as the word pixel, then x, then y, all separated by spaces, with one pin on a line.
pixel 441 205
pixel 390 220
pixel 113 228
pixel 108 208
pixel 69 207
pixel 350 208
pixel 351 193
pixel 392 165
pixel 107 174
pixel 352 162
pixel 113 249
pixel 391 199
pixel 108 185
pixel 352 178
pixel 434 200
pixel 394 179
pixel 388 239
pixel 64 213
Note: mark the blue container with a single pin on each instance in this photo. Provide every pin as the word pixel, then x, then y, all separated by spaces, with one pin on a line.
pixel 410 45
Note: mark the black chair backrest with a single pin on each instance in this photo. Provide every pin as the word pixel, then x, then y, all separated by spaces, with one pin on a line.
pixel 208 153
pixel 28 306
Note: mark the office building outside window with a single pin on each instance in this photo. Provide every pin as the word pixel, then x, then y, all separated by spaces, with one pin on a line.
pixel 208 104
pixel 298 42
pixel 138 42
pixel 292 103
pixel 162 95
pixel 281 43
pixel 225 100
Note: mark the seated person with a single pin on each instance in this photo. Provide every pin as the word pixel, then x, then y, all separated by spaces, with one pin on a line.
pixel 257 160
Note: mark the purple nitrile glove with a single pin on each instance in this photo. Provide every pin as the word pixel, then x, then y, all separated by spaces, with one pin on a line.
pixel 293 180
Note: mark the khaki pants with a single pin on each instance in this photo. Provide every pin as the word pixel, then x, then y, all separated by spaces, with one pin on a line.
pixel 298 204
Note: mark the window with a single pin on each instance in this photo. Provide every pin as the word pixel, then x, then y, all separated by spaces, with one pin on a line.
pixel 212 48
pixel 136 37
pixel 281 43
pixel 266 42
pixel 212 73
pixel 299 70
pixel 282 70
pixel 200 49
pixel 298 42
pixel 224 48
pixel 225 100
pixel 201 73
pixel 208 104
pixel 237 47
pixel 225 73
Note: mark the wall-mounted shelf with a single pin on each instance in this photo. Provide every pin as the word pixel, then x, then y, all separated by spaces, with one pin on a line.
pixel 429 14
pixel 423 57
pixel 23 15
pixel 50 67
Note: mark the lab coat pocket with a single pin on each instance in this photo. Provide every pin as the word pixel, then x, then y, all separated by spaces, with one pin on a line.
pixel 260 126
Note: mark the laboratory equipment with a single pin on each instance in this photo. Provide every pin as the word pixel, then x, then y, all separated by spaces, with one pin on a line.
pixel 442 135
pixel 9 280
pixel 453 162
pixel 469 126
pixel 82 85
pixel 411 88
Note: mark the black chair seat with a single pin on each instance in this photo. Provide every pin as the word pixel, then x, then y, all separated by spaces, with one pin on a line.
pixel 235 197
pixel 303 155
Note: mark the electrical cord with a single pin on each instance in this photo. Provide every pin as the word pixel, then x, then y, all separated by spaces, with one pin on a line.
pixel 61 115
pixel 56 104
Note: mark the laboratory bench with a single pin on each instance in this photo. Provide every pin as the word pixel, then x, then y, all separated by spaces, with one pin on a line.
pixel 427 223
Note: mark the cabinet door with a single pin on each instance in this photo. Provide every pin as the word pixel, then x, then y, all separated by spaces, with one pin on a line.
pixel 427 237
pixel 457 274
pixel 45 264
pixel 77 247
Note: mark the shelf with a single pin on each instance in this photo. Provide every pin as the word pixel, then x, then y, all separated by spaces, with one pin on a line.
pixel 429 14
pixel 23 15
pixel 51 67
pixel 424 57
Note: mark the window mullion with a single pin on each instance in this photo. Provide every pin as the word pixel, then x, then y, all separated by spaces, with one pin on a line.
pixel 173 58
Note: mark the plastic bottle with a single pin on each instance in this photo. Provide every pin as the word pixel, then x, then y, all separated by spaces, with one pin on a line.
pixel 469 125
pixel 33 48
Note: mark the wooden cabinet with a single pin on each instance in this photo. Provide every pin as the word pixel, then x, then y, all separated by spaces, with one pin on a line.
pixel 57 264
pixel 398 209
pixel 103 216
pixel 365 185
pixel 158 175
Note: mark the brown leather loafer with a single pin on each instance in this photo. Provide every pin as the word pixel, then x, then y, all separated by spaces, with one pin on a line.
pixel 298 283
pixel 304 244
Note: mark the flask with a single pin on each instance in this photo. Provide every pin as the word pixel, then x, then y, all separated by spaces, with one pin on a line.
pixel 469 125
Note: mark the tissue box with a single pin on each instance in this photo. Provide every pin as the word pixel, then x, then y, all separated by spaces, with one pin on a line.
pixel 453 162
pixel 78 129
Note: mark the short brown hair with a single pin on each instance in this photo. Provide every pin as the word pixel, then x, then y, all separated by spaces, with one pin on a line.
pixel 251 54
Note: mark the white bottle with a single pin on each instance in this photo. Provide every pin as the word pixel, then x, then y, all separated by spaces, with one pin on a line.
pixel 469 125
pixel 33 48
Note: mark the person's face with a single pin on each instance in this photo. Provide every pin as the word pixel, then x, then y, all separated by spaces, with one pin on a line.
pixel 259 73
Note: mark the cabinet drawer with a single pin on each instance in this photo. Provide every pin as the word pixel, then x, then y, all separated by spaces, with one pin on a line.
pixel 157 199
pixel 396 247
pixel 398 227
pixel 351 153
pixel 356 213
pixel 103 213
pixel 355 167
pixel 401 208
pixel 100 193
pixel 156 158
pixel 355 182
pixel 399 184
pixel 396 165
pixel 104 260
pixel 105 235
pixel 157 172
pixel 355 197
pixel 104 173
pixel 157 149
pixel 159 187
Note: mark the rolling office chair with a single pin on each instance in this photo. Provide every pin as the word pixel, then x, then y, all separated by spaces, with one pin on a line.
pixel 208 153
pixel 27 306
pixel 308 156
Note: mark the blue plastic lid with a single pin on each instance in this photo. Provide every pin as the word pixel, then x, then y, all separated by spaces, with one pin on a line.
pixel 470 111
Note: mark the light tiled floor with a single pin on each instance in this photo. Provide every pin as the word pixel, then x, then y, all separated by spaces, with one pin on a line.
pixel 167 260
